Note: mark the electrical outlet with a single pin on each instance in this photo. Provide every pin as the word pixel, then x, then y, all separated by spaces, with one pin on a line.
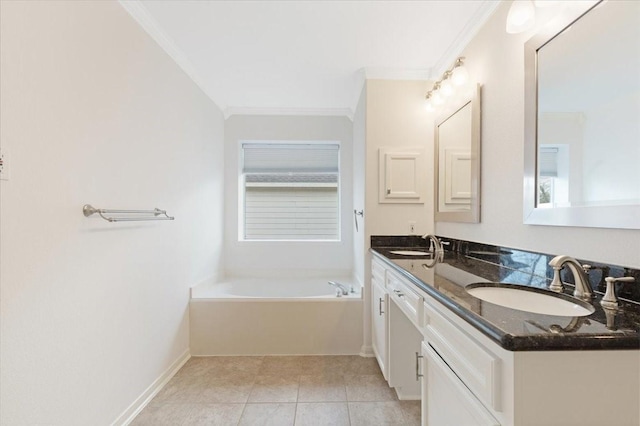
pixel 4 165
pixel 412 228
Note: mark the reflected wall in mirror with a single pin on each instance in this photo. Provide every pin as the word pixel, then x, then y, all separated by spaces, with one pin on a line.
pixel 457 153
pixel 583 118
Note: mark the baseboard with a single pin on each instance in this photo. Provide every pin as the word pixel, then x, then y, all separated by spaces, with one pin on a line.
pixel 367 351
pixel 138 405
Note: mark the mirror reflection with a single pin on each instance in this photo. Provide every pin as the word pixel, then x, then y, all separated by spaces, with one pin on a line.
pixel 457 144
pixel 588 120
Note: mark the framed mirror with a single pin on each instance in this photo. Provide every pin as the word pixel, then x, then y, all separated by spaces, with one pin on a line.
pixel 457 166
pixel 582 118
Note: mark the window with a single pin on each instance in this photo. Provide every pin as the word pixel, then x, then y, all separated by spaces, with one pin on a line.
pixel 547 174
pixel 290 191
pixel 553 175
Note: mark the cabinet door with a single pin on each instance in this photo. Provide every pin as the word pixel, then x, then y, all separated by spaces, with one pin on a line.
pixel 404 347
pixel 446 400
pixel 402 175
pixel 379 325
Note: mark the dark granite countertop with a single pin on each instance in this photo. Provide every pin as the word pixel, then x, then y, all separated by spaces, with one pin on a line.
pixel 512 329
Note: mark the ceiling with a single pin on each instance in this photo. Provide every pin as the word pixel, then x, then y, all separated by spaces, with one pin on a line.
pixel 306 57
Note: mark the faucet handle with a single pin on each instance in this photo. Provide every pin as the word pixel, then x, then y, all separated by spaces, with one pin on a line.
pixel 610 300
pixel 557 284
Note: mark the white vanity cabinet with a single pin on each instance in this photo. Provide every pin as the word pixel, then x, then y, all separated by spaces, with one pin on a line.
pixel 405 317
pixel 471 380
pixel 461 376
pixel 379 332
pixel 396 315
pixel 445 399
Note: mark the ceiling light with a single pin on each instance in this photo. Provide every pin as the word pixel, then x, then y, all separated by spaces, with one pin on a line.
pixel 521 17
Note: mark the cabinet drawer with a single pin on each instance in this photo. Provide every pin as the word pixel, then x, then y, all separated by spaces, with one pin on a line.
pixel 407 299
pixel 474 364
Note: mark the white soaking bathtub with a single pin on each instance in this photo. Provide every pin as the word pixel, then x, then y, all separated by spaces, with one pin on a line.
pixel 275 316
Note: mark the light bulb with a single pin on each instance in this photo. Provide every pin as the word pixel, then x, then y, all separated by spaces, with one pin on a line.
pixel 521 17
pixel 436 98
pixel 429 106
pixel 459 76
pixel 446 88
pixel 545 3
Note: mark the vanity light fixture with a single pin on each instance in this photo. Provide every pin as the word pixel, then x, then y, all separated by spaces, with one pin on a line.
pixel 521 17
pixel 445 87
pixel 459 75
pixel 522 14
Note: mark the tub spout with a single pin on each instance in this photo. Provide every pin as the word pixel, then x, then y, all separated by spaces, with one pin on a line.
pixel 343 289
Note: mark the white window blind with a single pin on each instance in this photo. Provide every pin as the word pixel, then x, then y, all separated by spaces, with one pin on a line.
pixel 548 162
pixel 291 191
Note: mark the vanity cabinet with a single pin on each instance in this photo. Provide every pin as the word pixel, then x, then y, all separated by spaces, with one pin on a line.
pixel 396 337
pixel 404 338
pixel 462 377
pixel 379 332
pixel 466 373
pixel 466 378
pixel 445 399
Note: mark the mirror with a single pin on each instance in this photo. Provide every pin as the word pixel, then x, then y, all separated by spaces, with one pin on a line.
pixel 582 125
pixel 457 153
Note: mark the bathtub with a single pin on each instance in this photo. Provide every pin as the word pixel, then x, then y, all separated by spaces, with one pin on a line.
pixel 275 316
pixel 271 289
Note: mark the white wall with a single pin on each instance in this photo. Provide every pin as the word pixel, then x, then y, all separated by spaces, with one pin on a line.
pixel 246 258
pixel 93 111
pixel 360 243
pixel 496 60
pixel 394 116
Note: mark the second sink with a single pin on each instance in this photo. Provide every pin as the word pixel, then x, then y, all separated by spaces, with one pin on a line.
pixel 530 299
pixel 410 252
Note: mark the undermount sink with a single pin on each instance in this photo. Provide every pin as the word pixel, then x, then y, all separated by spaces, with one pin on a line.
pixel 410 252
pixel 530 299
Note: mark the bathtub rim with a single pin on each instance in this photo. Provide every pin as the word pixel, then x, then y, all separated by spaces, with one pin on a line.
pixel 208 291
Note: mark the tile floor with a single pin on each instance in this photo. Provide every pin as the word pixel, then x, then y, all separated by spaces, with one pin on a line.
pixel 279 391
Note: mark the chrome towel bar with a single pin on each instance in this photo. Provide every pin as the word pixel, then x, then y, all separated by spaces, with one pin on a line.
pixel 107 214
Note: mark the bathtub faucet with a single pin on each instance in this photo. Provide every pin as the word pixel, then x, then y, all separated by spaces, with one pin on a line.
pixel 343 289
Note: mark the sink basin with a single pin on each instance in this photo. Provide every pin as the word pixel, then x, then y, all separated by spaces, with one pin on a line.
pixel 410 252
pixel 530 299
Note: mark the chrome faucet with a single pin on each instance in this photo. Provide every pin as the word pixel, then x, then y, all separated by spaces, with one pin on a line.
pixel 435 245
pixel 583 285
pixel 343 289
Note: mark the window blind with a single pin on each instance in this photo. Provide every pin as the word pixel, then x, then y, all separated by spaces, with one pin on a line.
pixel 548 162
pixel 291 191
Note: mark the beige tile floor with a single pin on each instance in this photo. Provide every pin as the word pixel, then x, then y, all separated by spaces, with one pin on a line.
pixel 279 391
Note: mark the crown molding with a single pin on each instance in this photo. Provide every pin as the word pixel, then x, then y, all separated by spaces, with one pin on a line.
pixel 141 15
pixel 324 112
pixel 470 30
pixel 372 73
